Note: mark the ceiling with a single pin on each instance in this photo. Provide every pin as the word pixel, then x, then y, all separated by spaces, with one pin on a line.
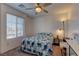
pixel 30 13
pixel 53 9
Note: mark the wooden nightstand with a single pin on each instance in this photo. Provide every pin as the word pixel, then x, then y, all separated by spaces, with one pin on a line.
pixel 56 41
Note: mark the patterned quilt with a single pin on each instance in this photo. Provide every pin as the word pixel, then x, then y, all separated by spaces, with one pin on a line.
pixel 40 44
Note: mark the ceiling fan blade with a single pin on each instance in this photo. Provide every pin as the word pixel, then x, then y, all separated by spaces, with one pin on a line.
pixel 37 4
pixel 45 11
pixel 29 8
pixel 21 6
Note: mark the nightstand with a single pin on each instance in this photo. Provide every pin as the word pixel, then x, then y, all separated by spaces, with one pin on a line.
pixel 56 41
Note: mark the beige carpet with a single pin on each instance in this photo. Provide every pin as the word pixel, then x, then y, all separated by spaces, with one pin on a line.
pixel 16 52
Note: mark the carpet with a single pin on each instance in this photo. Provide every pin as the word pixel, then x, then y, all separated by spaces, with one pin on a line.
pixel 16 52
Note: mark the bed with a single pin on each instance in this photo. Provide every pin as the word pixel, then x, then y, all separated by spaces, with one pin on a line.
pixel 39 44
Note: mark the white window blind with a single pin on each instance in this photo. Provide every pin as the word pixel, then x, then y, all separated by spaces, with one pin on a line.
pixel 11 26
pixel 20 26
pixel 15 26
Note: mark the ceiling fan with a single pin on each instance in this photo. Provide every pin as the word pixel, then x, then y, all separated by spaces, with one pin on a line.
pixel 38 7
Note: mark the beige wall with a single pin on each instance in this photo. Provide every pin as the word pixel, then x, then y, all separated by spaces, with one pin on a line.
pixel 5 44
pixel 72 23
pixel 49 23
pixel 45 24
pixel 0 27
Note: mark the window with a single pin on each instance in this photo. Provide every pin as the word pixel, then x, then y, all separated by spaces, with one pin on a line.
pixel 20 26
pixel 11 26
pixel 15 26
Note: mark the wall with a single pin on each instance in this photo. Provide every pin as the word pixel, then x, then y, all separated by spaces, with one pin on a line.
pixel 49 23
pixel 73 23
pixel 30 29
pixel 11 43
pixel 0 27
pixel 46 24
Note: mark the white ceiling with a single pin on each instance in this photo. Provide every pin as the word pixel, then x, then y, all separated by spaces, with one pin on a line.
pixel 52 9
pixel 30 13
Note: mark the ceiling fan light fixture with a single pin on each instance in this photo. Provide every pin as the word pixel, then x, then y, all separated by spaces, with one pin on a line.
pixel 38 9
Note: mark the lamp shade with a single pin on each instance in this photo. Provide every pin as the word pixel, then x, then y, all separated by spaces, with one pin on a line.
pixel 60 33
